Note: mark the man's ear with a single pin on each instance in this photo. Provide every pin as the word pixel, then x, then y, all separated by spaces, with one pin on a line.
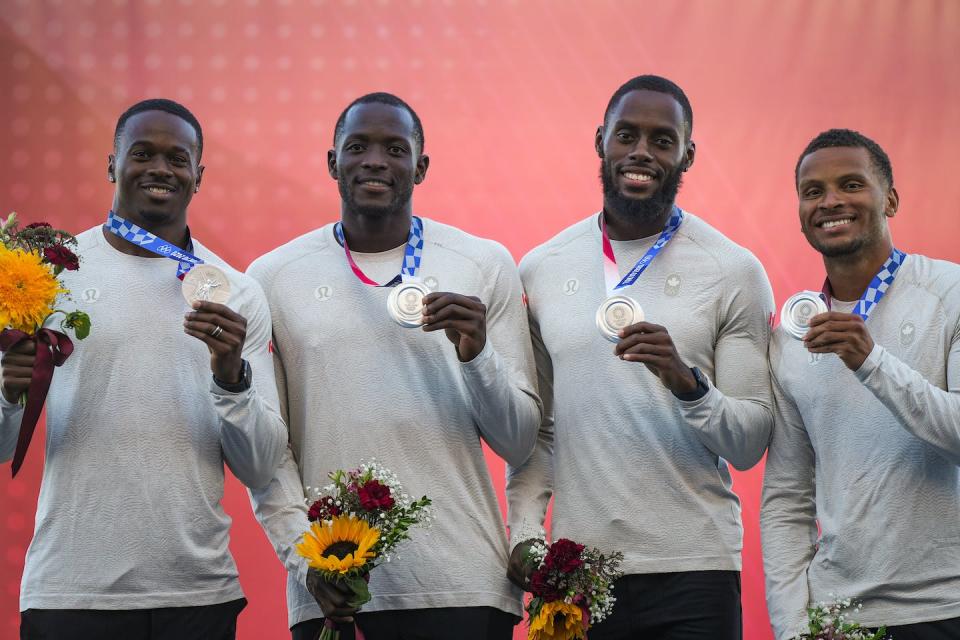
pixel 689 154
pixel 598 141
pixel 111 170
pixel 332 163
pixel 423 163
pixel 891 202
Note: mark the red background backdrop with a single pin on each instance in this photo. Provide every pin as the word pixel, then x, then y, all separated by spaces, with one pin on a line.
pixel 510 93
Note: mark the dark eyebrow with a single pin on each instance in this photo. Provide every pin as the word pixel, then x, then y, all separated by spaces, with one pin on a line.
pixel 147 143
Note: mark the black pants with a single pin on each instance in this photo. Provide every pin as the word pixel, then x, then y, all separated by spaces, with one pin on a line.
pixel 688 605
pixel 212 622
pixel 463 623
pixel 938 630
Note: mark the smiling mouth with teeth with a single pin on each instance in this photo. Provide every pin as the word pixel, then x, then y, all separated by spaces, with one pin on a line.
pixel 160 190
pixel 829 224
pixel 638 177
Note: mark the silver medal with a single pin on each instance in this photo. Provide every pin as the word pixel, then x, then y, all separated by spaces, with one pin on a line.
pixel 616 313
pixel 798 310
pixel 405 304
pixel 206 283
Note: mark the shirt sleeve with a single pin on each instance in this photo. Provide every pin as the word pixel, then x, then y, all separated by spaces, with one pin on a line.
pixel 280 506
pixel 11 414
pixel 500 385
pixel 734 418
pixel 252 433
pixel 788 515
pixel 530 485
pixel 926 411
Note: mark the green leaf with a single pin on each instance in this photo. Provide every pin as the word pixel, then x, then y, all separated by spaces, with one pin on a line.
pixel 361 592
pixel 79 322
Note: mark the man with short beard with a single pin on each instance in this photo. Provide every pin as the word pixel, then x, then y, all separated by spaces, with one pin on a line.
pixel 637 435
pixel 418 388
pixel 861 492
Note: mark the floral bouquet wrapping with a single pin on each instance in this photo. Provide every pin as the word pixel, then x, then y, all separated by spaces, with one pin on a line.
pixel 830 622
pixel 572 589
pixel 357 521
pixel 31 259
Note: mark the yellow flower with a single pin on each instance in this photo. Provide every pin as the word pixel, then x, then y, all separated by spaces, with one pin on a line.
pixel 557 620
pixel 28 290
pixel 338 545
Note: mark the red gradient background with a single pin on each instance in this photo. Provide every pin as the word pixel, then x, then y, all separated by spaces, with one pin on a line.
pixel 510 93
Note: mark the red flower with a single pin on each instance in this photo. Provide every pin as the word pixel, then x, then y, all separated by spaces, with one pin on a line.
pixel 37 225
pixel 323 509
pixel 564 556
pixel 541 587
pixel 374 495
pixel 60 256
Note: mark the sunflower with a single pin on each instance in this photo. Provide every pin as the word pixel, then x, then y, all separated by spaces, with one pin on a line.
pixel 28 290
pixel 557 620
pixel 338 545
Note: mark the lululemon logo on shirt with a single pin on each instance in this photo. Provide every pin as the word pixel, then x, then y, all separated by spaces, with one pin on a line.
pixel 571 286
pixel 90 295
pixel 431 283
pixel 323 293
pixel 671 286
pixel 908 334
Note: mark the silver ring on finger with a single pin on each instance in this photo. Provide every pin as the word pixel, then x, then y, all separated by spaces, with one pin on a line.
pixel 216 331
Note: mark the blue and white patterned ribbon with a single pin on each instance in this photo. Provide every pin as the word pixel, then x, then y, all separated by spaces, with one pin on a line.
pixel 610 271
pixel 143 238
pixel 411 256
pixel 877 287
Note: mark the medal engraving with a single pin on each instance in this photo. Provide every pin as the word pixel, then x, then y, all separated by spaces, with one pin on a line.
pixel 798 310
pixel 405 304
pixel 206 283
pixel 616 313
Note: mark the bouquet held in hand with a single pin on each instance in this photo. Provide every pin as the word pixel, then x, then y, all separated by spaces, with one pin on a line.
pixel 831 622
pixel 572 589
pixel 31 261
pixel 356 523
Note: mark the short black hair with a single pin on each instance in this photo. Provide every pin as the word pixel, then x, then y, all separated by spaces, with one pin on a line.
pixel 159 104
pixel 848 138
pixel 381 97
pixel 660 85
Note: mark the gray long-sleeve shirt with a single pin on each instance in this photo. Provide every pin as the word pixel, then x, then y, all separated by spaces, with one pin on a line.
pixel 356 385
pixel 873 456
pixel 129 515
pixel 631 467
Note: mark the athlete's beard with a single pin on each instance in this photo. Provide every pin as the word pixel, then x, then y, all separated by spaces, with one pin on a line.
pixel 643 209
pixel 401 197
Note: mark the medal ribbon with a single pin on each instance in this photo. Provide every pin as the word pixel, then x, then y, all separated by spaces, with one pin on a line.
pixel 143 238
pixel 877 287
pixel 411 256
pixel 610 272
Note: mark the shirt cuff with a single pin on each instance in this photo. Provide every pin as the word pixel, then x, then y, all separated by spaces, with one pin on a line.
pixel 481 358
pixel 704 399
pixel 871 364
pixel 9 408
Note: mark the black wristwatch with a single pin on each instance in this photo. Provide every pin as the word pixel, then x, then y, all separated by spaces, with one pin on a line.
pixel 702 387
pixel 245 379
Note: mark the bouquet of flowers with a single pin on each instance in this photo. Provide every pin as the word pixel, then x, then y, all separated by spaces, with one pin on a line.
pixel 829 622
pixel 357 522
pixel 572 589
pixel 31 259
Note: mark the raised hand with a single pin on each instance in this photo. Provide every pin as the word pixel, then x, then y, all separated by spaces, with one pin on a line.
pixel 844 334
pixel 651 344
pixel 224 332
pixel 463 318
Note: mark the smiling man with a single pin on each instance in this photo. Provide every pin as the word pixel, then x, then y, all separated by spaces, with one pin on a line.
pixel 131 540
pixel 867 434
pixel 404 339
pixel 650 332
